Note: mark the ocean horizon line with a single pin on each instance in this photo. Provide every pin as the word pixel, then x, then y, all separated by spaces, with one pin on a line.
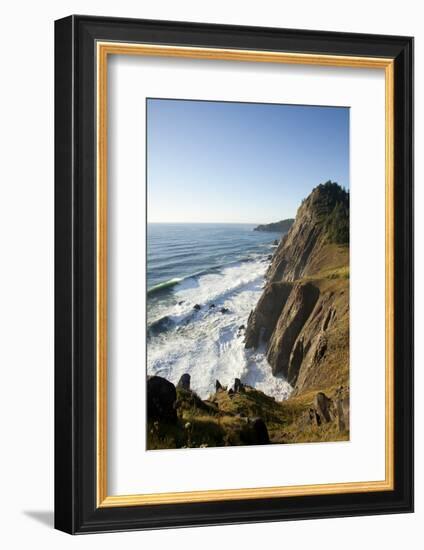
pixel 208 222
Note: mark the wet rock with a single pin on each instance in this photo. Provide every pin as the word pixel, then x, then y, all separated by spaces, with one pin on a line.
pixel 197 307
pixel 224 310
pixel 161 325
pixel 241 330
pixel 212 306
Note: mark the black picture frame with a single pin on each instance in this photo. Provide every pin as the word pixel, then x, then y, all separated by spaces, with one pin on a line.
pixel 76 510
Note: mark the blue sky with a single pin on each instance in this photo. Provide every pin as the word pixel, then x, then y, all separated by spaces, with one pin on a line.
pixel 240 162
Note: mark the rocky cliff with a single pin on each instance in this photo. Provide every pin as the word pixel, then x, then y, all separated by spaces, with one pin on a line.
pixel 302 320
pixel 276 227
pixel 302 316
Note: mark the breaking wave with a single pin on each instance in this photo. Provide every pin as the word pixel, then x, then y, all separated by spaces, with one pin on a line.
pixel 198 328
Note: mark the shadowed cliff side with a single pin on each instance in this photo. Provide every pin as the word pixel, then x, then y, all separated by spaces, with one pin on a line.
pixel 303 313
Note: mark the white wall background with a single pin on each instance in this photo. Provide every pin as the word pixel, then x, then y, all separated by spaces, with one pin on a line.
pixel 26 273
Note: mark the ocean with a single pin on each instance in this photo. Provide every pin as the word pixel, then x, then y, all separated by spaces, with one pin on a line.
pixel 210 266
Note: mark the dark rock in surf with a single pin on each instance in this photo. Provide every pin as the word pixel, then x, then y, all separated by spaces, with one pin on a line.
pixel 212 306
pixel 161 398
pixel 184 382
pixel 160 325
pixel 197 307
pixel 224 310
pixel 218 386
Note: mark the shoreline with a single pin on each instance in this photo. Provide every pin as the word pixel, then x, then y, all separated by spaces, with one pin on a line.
pixel 297 331
pixel 251 367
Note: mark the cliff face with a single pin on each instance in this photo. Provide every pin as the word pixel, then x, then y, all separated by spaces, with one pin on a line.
pixel 303 313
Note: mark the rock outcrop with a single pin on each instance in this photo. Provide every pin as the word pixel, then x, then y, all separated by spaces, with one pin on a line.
pixel 276 227
pixel 282 351
pixel 242 416
pixel 301 321
pixel 184 381
pixel 264 317
pixel 303 314
pixel 161 398
pixel 257 433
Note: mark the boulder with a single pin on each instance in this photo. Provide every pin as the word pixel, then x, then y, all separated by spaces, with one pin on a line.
pixel 261 431
pixel 161 398
pixel 323 406
pixel 254 432
pixel 184 382
pixel 197 307
pixel 224 310
pixel 238 386
pixel 218 386
pixel 314 417
pixel 342 408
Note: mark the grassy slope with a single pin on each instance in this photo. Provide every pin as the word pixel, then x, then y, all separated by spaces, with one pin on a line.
pixel 330 273
pixel 221 420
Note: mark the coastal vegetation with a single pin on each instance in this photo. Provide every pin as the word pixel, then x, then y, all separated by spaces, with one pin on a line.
pixel 302 321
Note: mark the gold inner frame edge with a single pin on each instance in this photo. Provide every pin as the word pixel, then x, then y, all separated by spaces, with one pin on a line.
pixel 103 49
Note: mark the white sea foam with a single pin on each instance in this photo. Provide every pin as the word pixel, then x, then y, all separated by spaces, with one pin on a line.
pixel 208 344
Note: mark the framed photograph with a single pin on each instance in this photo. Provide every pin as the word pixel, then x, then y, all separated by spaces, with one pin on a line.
pixel 234 274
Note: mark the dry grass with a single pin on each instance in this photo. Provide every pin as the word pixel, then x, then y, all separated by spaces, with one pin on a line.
pixel 221 420
pixel 330 257
pixel 224 423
